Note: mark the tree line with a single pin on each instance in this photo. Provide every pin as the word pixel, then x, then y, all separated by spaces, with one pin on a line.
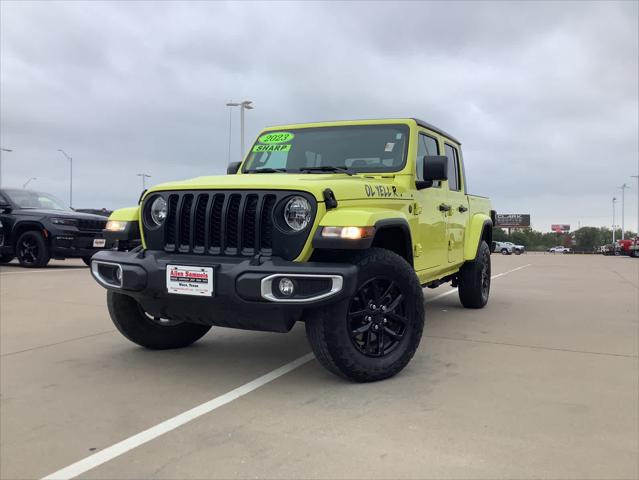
pixel 585 239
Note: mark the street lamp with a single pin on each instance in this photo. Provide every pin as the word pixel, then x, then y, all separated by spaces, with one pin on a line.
pixel 623 206
pixel 637 177
pixel 245 105
pixel 24 185
pixel 70 176
pixel 614 199
pixel 2 150
pixel 144 176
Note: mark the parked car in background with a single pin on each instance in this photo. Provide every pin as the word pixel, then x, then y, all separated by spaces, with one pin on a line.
pixel 516 249
pixel 634 248
pixel 559 249
pixel 37 226
pixel 501 247
pixel 508 248
pixel 623 246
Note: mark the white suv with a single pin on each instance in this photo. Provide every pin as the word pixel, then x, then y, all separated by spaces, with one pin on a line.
pixel 559 249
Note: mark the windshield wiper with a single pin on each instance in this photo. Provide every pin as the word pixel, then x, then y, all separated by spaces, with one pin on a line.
pixel 267 170
pixel 327 168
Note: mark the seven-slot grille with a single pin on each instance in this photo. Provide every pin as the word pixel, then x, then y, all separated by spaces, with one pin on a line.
pixel 219 223
pixel 93 225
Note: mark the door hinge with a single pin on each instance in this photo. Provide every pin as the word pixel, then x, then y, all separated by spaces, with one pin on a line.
pixel 417 208
pixel 417 250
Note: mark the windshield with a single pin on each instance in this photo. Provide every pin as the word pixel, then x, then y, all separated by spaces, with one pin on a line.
pixel 357 148
pixel 30 199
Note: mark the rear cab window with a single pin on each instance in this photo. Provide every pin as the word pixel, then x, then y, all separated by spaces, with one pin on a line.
pixel 427 146
pixel 454 177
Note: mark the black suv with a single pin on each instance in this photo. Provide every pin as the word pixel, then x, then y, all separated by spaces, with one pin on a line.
pixel 36 227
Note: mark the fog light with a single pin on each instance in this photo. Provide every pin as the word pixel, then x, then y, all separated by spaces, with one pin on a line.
pixel 286 287
pixel 118 275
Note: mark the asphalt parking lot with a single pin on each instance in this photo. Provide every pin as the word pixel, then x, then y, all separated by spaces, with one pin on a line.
pixel 543 382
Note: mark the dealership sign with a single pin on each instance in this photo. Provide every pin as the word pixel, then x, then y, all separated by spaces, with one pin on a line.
pixel 563 228
pixel 513 220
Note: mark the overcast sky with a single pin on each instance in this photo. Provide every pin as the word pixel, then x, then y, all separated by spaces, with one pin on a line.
pixel 543 95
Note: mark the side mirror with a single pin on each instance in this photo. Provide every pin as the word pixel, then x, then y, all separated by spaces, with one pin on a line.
pixel 5 207
pixel 435 167
pixel 233 168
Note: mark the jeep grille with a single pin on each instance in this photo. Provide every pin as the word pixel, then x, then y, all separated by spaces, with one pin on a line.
pixel 237 223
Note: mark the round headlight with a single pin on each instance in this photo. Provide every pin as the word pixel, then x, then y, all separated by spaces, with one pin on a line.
pixel 158 211
pixel 297 213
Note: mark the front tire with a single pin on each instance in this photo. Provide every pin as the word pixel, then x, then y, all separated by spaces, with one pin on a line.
pixel 32 250
pixel 474 279
pixel 377 333
pixel 139 327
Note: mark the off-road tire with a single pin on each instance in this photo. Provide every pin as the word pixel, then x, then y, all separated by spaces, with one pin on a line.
pixel 329 330
pixel 132 322
pixel 474 279
pixel 6 258
pixel 38 256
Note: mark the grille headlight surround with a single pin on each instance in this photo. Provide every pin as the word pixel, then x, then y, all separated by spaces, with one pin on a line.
pixel 297 213
pixel 157 211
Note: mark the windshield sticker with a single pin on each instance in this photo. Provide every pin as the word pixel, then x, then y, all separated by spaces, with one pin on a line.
pixel 271 148
pixel 389 147
pixel 276 137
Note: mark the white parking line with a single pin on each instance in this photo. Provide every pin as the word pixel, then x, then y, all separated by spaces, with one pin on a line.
pixel 141 438
pixel 492 278
pixel 47 270
pixel 166 426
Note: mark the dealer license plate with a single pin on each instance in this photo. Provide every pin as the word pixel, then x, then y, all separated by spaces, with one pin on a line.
pixel 184 280
pixel 99 242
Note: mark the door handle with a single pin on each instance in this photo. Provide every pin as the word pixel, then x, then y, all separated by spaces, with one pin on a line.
pixel 462 209
pixel 444 208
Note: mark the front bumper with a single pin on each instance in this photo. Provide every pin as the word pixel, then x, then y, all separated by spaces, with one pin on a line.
pixel 244 290
pixel 75 244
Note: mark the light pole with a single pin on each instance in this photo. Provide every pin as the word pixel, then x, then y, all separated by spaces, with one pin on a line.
pixel 144 176
pixel 24 185
pixel 637 177
pixel 2 150
pixel 231 104
pixel 244 105
pixel 614 199
pixel 623 206
pixel 70 176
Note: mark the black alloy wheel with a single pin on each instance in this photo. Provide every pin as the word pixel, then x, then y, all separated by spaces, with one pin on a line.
pixel 377 317
pixel 31 250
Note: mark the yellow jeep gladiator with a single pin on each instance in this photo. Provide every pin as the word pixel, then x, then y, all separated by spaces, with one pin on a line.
pixel 337 224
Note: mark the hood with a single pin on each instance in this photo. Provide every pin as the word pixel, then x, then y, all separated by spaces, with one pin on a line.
pixel 344 187
pixel 38 212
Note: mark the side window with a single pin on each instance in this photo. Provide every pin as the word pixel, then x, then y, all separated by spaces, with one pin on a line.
pixel 426 146
pixel 453 167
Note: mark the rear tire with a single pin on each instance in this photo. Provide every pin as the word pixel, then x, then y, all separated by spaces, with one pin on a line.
pixel 377 333
pixel 32 250
pixel 136 325
pixel 504 251
pixel 474 279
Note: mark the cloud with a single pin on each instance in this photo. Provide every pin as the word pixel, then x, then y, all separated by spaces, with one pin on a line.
pixel 543 95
